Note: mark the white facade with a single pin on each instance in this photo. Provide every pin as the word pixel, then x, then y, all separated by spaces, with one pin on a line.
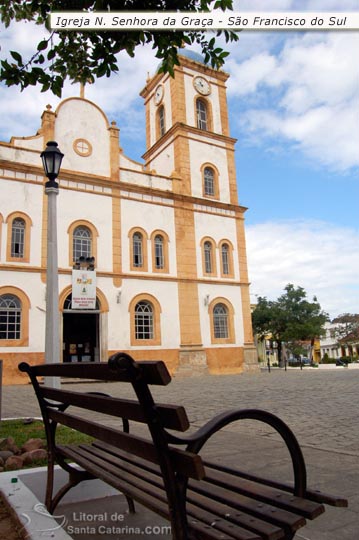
pixel 330 346
pixel 161 242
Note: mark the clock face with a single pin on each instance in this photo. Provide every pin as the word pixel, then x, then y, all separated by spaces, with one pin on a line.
pixel 202 85
pixel 158 94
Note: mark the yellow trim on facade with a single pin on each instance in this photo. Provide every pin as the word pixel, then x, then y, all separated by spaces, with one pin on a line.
pixel 178 97
pixel 243 269
pixel 116 238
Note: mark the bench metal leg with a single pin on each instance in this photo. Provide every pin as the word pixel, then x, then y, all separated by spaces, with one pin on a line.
pixel 75 477
pixel 50 481
pixel 131 505
pixel 72 482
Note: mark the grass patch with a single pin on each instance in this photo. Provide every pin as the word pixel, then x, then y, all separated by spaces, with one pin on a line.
pixel 22 431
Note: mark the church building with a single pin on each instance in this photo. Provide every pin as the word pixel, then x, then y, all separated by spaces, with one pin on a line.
pixel 162 240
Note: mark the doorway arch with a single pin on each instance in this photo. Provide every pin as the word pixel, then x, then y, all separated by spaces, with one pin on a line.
pixel 84 331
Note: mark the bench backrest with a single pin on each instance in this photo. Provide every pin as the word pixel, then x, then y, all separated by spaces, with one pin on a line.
pixel 176 465
pixel 121 367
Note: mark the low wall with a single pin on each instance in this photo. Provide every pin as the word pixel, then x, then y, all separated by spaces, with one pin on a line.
pixel 333 366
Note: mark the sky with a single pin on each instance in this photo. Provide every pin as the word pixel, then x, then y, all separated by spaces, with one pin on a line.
pixel 293 102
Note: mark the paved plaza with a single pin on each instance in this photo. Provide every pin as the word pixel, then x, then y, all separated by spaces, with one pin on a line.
pixel 320 406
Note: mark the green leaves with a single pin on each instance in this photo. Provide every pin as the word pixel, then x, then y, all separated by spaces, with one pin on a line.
pixel 42 45
pixel 16 56
pixel 290 318
pixel 84 56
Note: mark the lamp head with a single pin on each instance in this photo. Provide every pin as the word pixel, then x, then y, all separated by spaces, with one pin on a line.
pixel 51 161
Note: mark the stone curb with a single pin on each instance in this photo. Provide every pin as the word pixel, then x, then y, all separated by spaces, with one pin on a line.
pixel 24 497
pixel 30 511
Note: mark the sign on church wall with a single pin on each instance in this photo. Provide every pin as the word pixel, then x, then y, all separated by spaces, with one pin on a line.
pixel 83 289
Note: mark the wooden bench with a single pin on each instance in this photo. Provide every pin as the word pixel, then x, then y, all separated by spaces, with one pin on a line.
pixel 165 472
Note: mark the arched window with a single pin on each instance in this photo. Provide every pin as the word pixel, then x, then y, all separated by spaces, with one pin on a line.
pixel 159 252
pixel 82 242
pixel 10 317
pixel 138 249
pixel 161 118
pixel 220 322
pixel 18 238
pixel 202 114
pixel 137 242
pixel 209 182
pixel 159 243
pixel 208 247
pixel 144 321
pixel 208 256
pixel 225 259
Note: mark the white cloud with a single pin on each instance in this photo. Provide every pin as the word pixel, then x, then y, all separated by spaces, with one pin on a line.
pixel 313 85
pixel 320 257
pixel 296 5
pixel 118 96
pixel 325 5
pixel 252 72
pixel 118 93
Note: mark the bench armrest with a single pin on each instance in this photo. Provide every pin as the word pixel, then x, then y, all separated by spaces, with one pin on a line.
pixel 196 441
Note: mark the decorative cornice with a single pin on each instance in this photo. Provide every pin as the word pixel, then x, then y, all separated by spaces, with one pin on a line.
pixel 184 130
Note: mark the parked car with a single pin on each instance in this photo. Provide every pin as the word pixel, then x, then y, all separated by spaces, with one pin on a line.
pixel 304 360
pixel 341 362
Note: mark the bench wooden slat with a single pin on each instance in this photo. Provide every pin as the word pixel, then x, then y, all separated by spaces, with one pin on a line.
pixel 156 504
pixel 155 372
pixel 266 494
pixel 311 494
pixel 250 505
pixel 135 481
pixel 153 475
pixel 204 492
pixel 286 502
pixel 184 462
pixel 265 530
pixel 140 489
pixel 220 524
pixel 172 416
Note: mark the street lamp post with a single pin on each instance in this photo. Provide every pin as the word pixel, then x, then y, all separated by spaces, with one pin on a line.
pixel 51 160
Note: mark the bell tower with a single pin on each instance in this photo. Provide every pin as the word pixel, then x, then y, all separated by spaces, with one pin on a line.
pixel 188 141
pixel 188 130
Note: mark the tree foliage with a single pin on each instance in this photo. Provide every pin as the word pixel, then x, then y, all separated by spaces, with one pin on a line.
pixel 290 319
pixel 83 56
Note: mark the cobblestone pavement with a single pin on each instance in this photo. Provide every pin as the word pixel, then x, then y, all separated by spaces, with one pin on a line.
pixel 321 407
